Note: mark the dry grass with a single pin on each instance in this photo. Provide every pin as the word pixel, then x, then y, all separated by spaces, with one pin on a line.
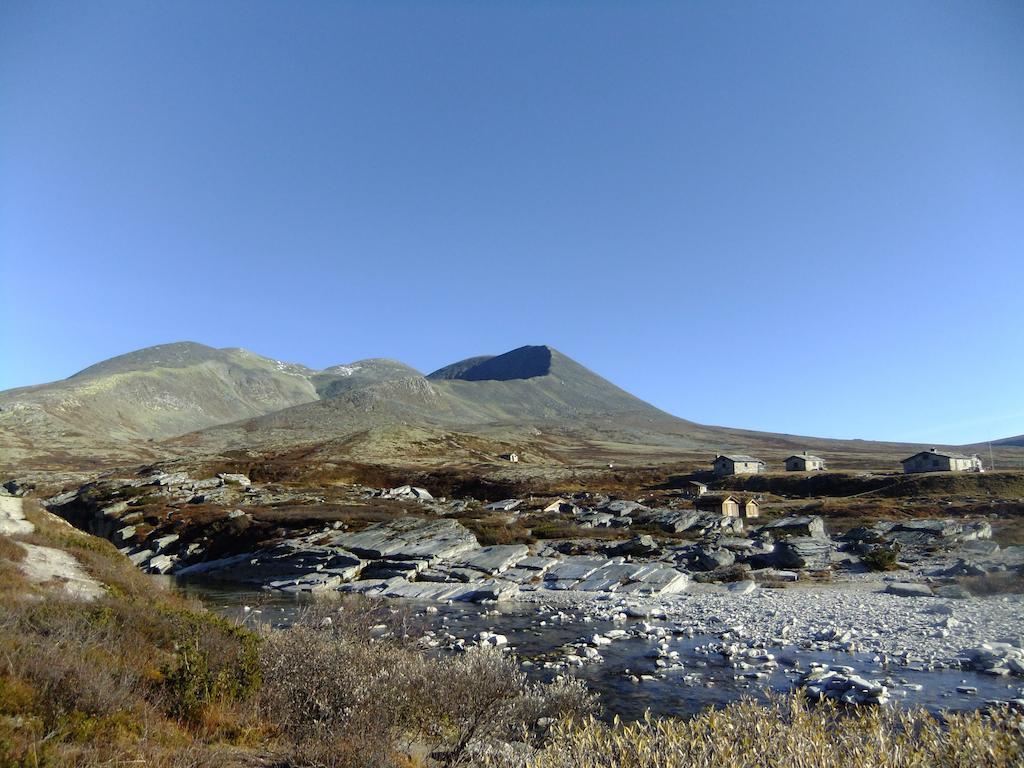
pixel 786 733
pixel 491 529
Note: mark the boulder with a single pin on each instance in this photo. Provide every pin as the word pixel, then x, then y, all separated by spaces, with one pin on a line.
pixel 613 576
pixel 712 558
pixel 409 492
pixel 161 563
pixel 588 519
pixel 622 507
pixel 803 552
pixel 491 590
pixel 505 505
pixel 166 479
pixel 234 478
pixel 14 488
pixel 641 546
pixel 660 580
pixel 909 589
pixel 804 525
pixel 740 588
pixel 669 520
pixel 824 683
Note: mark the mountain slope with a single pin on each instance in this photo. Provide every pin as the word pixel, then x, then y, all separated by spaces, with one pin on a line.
pixel 339 379
pixel 150 394
pixel 530 385
pixel 1014 441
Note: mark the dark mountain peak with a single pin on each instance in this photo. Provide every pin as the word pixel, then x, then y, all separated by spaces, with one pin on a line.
pixel 456 370
pixel 523 363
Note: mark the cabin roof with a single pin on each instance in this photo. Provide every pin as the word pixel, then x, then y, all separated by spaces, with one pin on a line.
pixel 738 458
pixel 933 452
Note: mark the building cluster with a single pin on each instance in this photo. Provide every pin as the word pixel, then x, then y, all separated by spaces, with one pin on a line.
pixel 741 464
pixel 932 460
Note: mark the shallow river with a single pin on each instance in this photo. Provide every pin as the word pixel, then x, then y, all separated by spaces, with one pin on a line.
pixel 703 681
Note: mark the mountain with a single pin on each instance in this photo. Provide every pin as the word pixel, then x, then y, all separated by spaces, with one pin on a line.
pixel 115 407
pixel 529 385
pixel 455 370
pixel 533 400
pixel 188 399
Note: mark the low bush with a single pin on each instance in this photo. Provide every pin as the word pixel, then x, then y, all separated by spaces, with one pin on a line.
pixel 347 697
pixel 496 529
pixel 882 558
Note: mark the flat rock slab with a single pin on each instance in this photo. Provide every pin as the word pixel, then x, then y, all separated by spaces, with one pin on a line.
pixel 623 507
pixel 610 577
pixel 664 580
pixel 420 590
pixel 493 559
pixel 410 538
pixel 521 576
pixel 742 587
pixel 12 518
pixel 573 569
pixel 537 563
pixel 45 565
pixel 284 562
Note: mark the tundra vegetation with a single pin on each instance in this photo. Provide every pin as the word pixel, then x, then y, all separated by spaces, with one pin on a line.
pixel 143 676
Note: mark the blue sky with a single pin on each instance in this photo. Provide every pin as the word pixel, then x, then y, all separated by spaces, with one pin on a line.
pixel 792 216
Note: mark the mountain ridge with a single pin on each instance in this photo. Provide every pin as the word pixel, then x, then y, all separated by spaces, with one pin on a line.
pixel 187 396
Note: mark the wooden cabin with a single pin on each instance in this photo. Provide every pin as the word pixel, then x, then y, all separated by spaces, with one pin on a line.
pixel 720 504
pixel 737 464
pixel 804 462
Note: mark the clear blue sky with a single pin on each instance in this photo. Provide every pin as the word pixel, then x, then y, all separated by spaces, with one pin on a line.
pixel 793 216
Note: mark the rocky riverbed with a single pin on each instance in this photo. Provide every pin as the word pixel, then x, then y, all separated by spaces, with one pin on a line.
pixel 680 654
pixel 769 603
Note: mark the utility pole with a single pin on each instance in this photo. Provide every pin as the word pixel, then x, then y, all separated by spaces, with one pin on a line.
pixel 991 459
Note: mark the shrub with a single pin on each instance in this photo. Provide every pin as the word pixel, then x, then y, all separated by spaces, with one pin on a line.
pixel 345 696
pixel 882 558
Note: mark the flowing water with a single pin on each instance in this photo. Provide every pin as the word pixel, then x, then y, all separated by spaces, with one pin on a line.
pixel 703 681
